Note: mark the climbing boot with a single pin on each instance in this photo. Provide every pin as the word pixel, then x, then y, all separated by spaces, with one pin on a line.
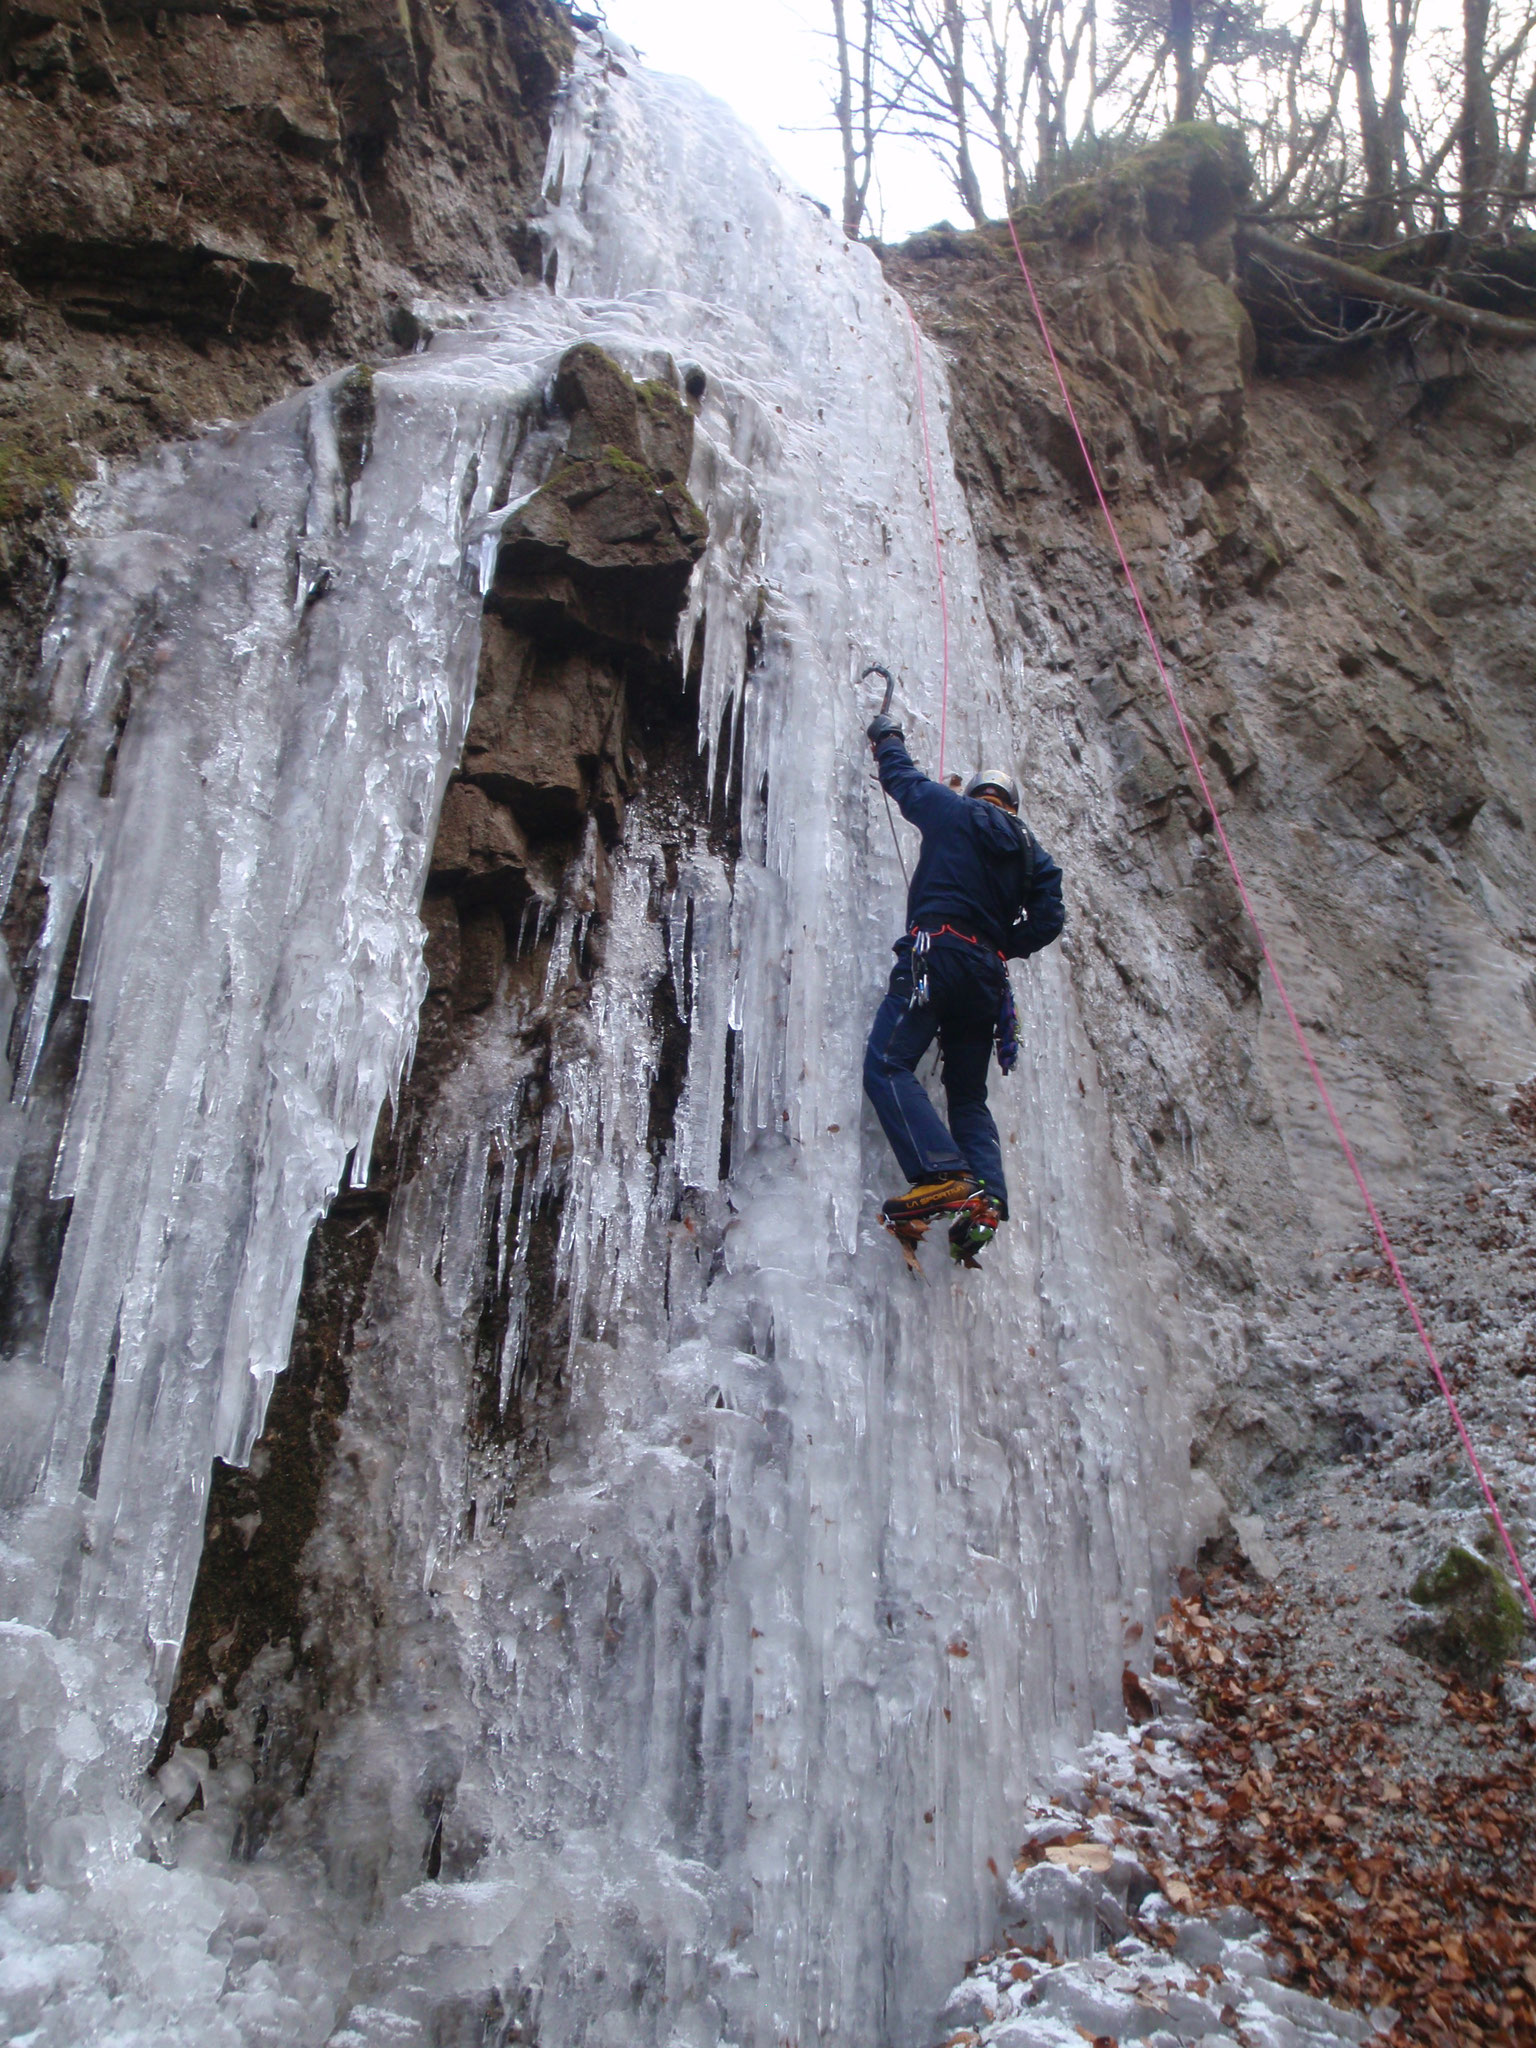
pixel 929 1198
pixel 974 1229
pixel 907 1216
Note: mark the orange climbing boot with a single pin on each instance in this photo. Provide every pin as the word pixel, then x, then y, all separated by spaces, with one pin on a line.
pixel 926 1199
pixel 907 1216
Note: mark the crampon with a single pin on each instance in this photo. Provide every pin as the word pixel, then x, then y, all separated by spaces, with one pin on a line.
pixel 908 1216
pixel 973 1230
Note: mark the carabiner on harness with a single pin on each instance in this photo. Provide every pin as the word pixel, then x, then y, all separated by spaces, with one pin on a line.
pixel 1007 1029
pixel 921 941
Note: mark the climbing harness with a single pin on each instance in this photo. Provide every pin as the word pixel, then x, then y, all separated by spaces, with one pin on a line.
pixel 1006 1030
pixel 1389 1252
pixel 922 939
pixel 918 1000
pixel 938 544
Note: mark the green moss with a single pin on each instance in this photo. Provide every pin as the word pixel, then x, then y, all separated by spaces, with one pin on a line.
pixel 34 480
pixel 1183 187
pixel 1079 211
pixel 1179 137
pixel 626 465
pixel 1474 1621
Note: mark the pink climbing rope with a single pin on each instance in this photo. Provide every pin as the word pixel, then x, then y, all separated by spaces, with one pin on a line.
pixel 1388 1251
pixel 938 544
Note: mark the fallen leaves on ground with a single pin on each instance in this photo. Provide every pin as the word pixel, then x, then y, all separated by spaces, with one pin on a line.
pixel 1380 1886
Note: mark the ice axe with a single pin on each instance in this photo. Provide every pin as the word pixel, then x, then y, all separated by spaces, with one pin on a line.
pixel 877 668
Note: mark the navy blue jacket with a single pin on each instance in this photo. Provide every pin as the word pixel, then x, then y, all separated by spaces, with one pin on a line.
pixel 980 870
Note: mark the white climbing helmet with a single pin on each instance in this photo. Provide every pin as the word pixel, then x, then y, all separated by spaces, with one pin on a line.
pixel 997 780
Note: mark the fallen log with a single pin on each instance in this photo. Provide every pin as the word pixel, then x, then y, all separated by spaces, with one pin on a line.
pixel 1364 284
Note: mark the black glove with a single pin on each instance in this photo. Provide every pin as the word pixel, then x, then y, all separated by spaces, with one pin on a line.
pixel 883 727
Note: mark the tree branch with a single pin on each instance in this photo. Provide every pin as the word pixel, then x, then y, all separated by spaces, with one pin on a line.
pixel 1388 291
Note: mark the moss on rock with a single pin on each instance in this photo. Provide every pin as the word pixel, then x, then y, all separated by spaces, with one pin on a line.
pixel 34 480
pixel 1474 1621
pixel 1185 187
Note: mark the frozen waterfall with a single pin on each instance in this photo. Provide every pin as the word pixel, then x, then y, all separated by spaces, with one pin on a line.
pixel 715 1730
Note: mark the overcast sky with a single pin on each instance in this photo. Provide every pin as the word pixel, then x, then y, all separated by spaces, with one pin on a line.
pixel 766 58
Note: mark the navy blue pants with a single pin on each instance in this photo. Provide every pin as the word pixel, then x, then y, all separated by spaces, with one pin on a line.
pixel 965 987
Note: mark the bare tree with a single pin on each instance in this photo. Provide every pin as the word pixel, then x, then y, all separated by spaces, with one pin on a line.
pixel 1353 109
pixel 1181 38
pixel 855 109
pixel 1479 136
pixel 925 88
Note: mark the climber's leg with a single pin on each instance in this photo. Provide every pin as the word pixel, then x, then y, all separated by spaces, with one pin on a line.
pixel 968 1002
pixel 925 1151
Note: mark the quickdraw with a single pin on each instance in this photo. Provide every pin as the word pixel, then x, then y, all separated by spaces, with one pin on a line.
pixel 1007 1030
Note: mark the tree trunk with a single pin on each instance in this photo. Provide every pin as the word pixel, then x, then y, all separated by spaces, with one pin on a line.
pixel 854 113
pixel 1479 122
pixel 1402 16
pixel 1520 166
pixel 966 181
pixel 1181 33
pixel 1364 284
pixel 1375 146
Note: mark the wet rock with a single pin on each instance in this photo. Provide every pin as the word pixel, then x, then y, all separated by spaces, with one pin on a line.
pixel 1474 1621
pixel 482 956
pixel 1256 1546
pixel 645 421
pixel 608 543
pixel 1217 359
pixel 203 210
pixel 544 719
pixel 481 851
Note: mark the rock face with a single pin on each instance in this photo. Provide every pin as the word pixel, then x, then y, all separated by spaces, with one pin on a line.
pixel 604 549
pixel 201 209
pixel 578 704
pixel 1339 569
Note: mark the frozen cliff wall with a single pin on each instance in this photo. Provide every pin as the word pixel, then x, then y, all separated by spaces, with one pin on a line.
pixel 648 1608
pixel 1336 553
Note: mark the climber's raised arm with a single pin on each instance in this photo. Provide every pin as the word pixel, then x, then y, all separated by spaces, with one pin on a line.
pixel 921 801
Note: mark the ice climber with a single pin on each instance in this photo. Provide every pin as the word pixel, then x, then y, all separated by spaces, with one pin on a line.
pixel 984 892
